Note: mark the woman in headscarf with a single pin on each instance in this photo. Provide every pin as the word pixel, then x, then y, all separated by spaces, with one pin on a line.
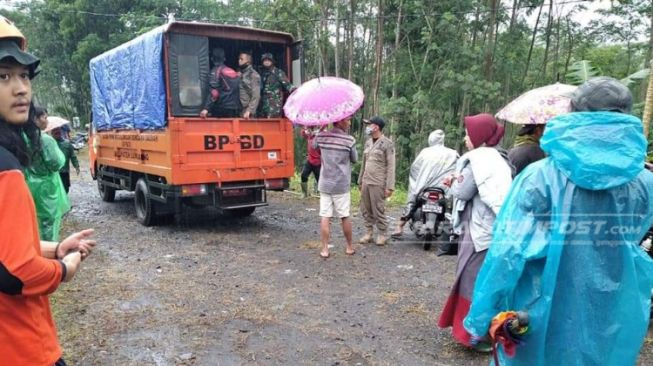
pixel 479 186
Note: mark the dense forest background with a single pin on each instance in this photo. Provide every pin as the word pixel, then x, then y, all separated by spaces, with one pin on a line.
pixel 424 64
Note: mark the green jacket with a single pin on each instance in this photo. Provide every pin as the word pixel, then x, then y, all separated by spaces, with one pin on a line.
pixel 69 152
pixel 44 182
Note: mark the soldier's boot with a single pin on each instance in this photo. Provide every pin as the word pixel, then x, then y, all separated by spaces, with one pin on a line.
pixel 367 238
pixel 381 239
pixel 304 189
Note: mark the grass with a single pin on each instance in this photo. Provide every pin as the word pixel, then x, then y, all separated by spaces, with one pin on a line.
pixel 397 199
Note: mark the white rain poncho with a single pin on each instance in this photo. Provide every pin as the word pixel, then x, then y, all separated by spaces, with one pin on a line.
pixel 429 168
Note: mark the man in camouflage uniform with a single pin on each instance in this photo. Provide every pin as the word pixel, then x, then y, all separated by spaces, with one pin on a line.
pixel 250 85
pixel 274 82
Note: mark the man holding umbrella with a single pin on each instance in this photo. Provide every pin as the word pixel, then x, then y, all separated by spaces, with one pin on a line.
pixel 320 102
pixel 338 152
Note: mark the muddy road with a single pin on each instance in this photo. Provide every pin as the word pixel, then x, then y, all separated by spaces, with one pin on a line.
pixel 252 291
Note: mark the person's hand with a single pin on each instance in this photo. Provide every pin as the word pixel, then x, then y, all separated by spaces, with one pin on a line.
pixel 448 180
pixel 77 170
pixel 77 242
pixel 246 114
pixel 388 193
pixel 72 262
pixel 204 113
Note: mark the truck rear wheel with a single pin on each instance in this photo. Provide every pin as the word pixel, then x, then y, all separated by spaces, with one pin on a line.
pixel 241 212
pixel 108 194
pixel 145 212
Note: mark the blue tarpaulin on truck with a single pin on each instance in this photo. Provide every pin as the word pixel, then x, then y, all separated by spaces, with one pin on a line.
pixel 128 85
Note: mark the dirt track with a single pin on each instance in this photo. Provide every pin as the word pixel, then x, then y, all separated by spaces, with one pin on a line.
pixel 221 291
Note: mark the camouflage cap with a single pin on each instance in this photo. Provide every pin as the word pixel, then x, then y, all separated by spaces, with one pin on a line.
pixel 267 56
pixel 602 94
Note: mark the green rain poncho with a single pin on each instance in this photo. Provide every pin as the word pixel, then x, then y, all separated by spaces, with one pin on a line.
pixel 566 249
pixel 47 190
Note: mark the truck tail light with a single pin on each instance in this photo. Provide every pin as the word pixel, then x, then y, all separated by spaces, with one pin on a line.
pixel 193 190
pixel 275 184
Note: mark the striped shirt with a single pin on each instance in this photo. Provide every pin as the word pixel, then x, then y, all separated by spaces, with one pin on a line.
pixel 338 153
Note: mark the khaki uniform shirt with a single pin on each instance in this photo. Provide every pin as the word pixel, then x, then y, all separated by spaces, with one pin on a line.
pixel 378 167
pixel 250 89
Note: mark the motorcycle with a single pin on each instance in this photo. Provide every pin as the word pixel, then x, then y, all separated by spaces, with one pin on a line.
pixel 79 141
pixel 429 214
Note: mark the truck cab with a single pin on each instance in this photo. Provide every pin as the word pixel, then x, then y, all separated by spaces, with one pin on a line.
pixel 148 136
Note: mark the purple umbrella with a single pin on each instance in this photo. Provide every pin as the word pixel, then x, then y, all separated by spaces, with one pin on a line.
pixel 323 100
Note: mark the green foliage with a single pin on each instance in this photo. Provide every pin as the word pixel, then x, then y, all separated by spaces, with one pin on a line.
pixel 430 79
pixel 581 71
pixel 636 77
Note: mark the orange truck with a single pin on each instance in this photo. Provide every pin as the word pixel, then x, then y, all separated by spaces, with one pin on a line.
pixel 147 135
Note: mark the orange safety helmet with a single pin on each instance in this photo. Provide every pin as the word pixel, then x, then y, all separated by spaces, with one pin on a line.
pixel 9 31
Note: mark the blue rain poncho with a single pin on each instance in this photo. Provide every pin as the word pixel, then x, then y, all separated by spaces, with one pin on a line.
pixel 566 247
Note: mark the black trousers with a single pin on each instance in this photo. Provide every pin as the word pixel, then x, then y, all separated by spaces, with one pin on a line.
pixel 308 169
pixel 65 179
pixel 60 362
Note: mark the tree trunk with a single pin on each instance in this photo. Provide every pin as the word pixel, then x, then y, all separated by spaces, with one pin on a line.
pixel 530 50
pixel 489 45
pixel 629 54
pixel 556 57
pixel 325 41
pixel 549 24
pixel 648 104
pixel 350 50
pixel 336 49
pixel 476 20
pixel 379 58
pixel 649 54
pixel 513 17
pixel 570 45
pixel 511 29
pixel 395 64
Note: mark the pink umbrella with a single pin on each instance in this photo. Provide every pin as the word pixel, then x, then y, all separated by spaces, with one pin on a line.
pixel 539 105
pixel 323 100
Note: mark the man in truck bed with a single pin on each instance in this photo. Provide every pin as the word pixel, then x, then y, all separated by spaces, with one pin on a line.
pixel 224 93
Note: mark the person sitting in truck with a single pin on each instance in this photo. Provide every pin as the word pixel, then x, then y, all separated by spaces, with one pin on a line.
pixel 224 89
pixel 250 85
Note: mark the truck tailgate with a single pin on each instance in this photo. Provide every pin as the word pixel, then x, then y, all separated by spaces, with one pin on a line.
pixel 224 150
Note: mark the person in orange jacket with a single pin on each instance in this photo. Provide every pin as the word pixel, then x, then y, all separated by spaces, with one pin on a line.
pixel 30 269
